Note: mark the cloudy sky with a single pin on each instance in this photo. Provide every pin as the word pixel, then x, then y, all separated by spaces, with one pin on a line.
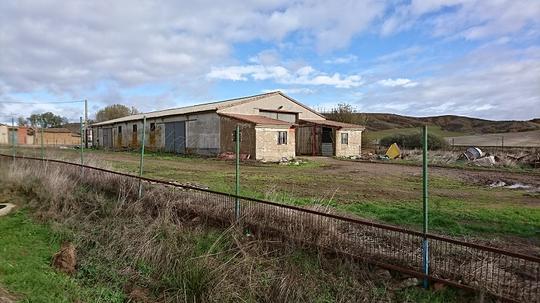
pixel 419 57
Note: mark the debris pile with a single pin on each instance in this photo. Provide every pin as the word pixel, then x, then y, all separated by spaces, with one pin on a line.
pixel 472 156
pixel 232 156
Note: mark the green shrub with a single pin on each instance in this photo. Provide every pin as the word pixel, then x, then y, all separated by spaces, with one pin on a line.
pixel 412 141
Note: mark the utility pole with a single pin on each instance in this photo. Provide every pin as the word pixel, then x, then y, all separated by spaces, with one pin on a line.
pixel 142 156
pixel 425 243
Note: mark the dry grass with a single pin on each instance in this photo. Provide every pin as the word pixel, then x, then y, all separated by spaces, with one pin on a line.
pixel 160 229
pixel 167 241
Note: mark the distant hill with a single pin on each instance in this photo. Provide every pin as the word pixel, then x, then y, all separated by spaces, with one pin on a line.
pixel 449 123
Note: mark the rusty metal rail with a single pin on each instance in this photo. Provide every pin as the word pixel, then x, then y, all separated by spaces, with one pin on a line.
pixel 504 274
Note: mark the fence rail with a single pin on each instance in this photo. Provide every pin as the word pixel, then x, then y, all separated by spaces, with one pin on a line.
pixel 508 275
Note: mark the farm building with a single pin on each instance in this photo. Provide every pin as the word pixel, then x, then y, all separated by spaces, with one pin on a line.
pixel 273 126
pixel 56 136
pixel 21 134
pixel 4 134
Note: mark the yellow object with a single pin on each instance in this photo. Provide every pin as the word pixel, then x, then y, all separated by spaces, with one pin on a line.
pixel 393 151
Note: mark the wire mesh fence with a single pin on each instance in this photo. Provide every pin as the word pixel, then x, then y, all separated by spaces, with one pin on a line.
pixel 501 273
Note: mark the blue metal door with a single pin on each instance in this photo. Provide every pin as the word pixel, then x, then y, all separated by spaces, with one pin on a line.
pixel 175 137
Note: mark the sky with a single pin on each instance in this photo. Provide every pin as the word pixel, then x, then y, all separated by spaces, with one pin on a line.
pixel 417 57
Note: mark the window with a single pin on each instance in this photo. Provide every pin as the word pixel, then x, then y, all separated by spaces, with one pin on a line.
pixel 152 127
pixel 119 129
pixel 234 136
pixel 282 138
pixel 344 138
pixel 134 128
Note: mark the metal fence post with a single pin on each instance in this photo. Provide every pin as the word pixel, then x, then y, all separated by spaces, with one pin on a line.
pixel 237 204
pixel 141 163
pixel 425 243
pixel 42 143
pixel 13 137
pixel 82 147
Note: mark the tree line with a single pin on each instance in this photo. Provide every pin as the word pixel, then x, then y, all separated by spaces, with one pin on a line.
pixel 51 120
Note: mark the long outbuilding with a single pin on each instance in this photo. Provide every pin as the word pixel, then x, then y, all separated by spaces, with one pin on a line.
pixel 272 126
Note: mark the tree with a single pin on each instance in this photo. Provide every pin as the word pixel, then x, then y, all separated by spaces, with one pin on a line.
pixel 115 111
pixel 21 121
pixel 346 113
pixel 46 120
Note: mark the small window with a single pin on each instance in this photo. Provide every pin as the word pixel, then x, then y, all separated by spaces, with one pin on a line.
pixel 134 128
pixel 234 136
pixel 152 127
pixel 344 138
pixel 282 138
pixel 119 129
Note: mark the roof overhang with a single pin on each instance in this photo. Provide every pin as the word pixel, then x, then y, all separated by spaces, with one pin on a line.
pixel 333 124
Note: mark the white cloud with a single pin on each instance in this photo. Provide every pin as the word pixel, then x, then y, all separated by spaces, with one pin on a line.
pixel 292 91
pixel 401 82
pixel 492 83
pixel 469 19
pixel 305 75
pixel 342 60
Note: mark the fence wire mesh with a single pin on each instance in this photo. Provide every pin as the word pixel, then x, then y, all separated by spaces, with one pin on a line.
pixel 504 274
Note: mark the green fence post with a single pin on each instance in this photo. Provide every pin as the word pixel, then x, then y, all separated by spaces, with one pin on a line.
pixel 425 243
pixel 13 137
pixel 237 204
pixel 141 163
pixel 82 147
pixel 42 143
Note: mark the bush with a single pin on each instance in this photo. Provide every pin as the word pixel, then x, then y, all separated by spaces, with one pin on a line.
pixel 412 141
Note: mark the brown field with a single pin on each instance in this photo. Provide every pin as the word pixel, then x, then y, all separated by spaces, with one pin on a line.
pixel 522 139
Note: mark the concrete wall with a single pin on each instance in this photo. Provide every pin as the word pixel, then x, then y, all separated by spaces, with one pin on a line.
pixel 247 130
pixel 354 148
pixel 4 139
pixel 56 138
pixel 202 133
pixel 267 147
pixel 272 102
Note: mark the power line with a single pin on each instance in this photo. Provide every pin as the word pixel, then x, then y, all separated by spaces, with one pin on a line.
pixel 44 102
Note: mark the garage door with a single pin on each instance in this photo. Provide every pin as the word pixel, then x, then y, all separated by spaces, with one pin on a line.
pixel 175 137
pixel 107 138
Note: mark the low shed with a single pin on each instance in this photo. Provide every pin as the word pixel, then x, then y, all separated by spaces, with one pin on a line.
pixel 269 125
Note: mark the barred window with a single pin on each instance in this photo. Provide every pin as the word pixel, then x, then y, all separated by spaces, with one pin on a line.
pixel 152 127
pixel 134 128
pixel 344 138
pixel 282 138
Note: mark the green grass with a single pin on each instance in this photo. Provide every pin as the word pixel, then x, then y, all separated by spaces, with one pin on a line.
pixel 26 249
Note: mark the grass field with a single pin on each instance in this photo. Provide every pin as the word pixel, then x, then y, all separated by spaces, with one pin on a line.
pixel 461 202
pixel 371 136
pixel 524 139
pixel 128 254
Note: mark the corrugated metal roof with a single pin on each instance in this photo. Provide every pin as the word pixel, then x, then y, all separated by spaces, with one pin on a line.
pixel 256 119
pixel 188 109
pixel 333 123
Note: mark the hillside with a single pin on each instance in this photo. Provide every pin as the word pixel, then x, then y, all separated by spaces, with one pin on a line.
pixel 448 123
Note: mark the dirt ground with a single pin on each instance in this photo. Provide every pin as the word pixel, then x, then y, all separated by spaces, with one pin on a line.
pixel 462 201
